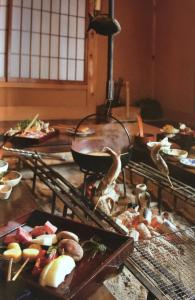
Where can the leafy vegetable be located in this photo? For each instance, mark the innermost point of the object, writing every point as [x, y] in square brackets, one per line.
[23, 124]
[93, 247]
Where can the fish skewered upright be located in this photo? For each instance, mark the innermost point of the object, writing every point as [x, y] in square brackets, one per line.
[160, 162]
[102, 195]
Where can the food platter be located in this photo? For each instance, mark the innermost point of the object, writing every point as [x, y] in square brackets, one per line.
[30, 139]
[80, 132]
[188, 162]
[29, 132]
[89, 271]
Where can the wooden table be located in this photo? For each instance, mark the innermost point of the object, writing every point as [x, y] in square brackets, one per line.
[63, 140]
[110, 131]
[20, 203]
[117, 136]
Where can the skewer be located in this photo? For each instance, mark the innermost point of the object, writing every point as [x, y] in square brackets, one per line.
[96, 205]
[10, 260]
[33, 153]
[31, 123]
[20, 269]
[9, 272]
[169, 180]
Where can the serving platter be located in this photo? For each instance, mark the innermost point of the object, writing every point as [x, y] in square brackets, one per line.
[30, 139]
[89, 272]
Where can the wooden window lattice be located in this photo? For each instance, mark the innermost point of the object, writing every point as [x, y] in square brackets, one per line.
[3, 39]
[47, 40]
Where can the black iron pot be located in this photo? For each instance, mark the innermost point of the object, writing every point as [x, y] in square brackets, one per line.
[86, 152]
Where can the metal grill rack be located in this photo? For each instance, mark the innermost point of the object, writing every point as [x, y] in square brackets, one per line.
[181, 190]
[70, 196]
[168, 262]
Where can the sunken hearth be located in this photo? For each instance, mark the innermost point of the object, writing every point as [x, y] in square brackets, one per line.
[162, 261]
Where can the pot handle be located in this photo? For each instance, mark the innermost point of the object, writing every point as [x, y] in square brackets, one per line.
[110, 116]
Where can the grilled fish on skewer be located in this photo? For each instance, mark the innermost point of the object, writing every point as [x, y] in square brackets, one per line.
[113, 173]
[106, 185]
[160, 162]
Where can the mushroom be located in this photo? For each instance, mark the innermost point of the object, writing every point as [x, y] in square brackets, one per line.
[67, 235]
[72, 248]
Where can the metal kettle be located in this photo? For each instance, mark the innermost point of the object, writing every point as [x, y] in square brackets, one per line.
[104, 24]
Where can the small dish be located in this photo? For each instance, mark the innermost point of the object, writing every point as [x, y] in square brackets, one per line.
[175, 154]
[12, 178]
[84, 131]
[188, 162]
[5, 191]
[3, 166]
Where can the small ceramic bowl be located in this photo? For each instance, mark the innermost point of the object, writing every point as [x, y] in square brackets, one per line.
[175, 154]
[3, 166]
[12, 178]
[143, 140]
[5, 191]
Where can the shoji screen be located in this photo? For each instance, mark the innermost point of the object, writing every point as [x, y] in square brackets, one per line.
[3, 33]
[48, 39]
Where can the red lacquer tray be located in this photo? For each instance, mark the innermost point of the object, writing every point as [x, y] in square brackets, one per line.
[88, 272]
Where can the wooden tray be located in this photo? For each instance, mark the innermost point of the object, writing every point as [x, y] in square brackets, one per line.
[20, 141]
[88, 272]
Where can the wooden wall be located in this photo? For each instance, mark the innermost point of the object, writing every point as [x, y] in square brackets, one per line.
[175, 59]
[132, 61]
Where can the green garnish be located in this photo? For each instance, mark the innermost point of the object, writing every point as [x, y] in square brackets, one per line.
[93, 247]
[23, 124]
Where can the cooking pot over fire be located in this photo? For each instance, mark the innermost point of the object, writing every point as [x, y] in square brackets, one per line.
[88, 154]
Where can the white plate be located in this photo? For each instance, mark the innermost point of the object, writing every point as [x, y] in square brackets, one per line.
[175, 154]
[80, 133]
[188, 162]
